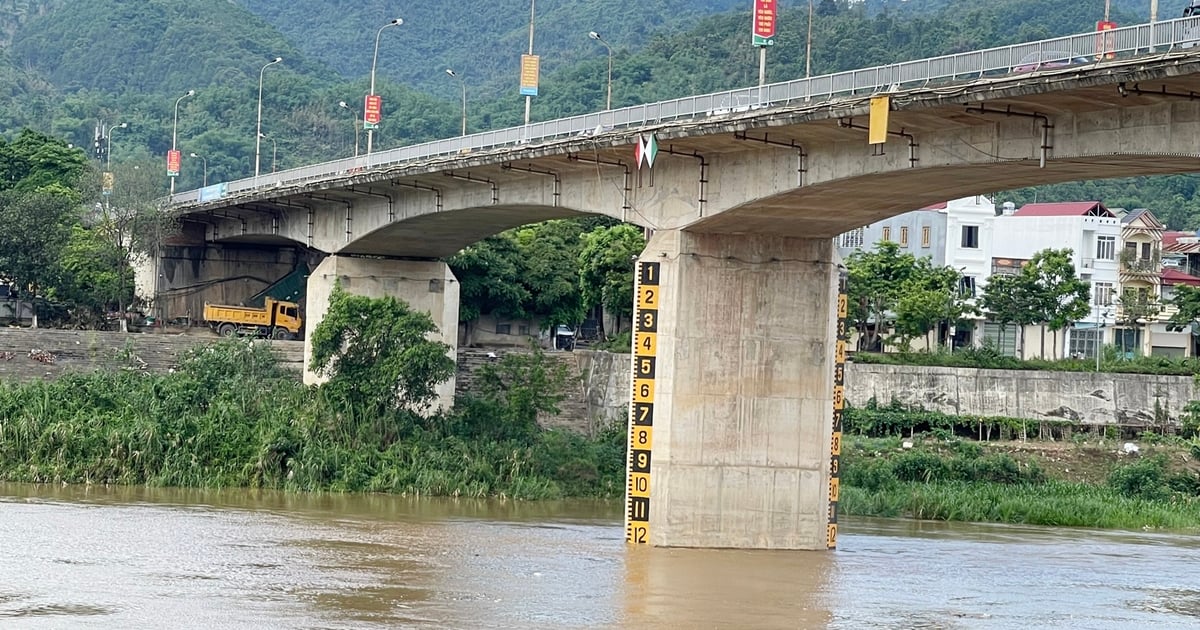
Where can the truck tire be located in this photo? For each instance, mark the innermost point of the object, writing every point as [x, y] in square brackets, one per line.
[280, 333]
[227, 330]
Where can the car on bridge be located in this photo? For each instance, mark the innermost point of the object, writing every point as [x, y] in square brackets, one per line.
[1046, 59]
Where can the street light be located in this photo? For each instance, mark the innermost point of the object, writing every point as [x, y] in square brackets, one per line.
[108, 150]
[374, 61]
[175, 129]
[205, 184]
[596, 36]
[1102, 313]
[464, 97]
[257, 145]
[274, 149]
[354, 112]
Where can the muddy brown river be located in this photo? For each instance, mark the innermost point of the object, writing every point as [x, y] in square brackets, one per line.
[137, 558]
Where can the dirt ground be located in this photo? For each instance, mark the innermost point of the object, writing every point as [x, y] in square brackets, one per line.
[1092, 461]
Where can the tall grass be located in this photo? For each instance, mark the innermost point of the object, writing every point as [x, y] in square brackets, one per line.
[230, 417]
[961, 482]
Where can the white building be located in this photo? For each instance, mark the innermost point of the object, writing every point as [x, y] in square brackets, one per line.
[1093, 233]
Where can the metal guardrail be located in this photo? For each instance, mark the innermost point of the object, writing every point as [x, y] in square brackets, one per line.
[1159, 37]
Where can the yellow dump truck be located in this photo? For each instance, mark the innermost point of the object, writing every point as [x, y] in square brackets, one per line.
[277, 320]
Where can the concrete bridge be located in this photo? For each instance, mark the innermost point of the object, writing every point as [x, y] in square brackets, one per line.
[735, 413]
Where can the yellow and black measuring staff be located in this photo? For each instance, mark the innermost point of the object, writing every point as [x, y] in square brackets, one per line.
[641, 408]
[839, 405]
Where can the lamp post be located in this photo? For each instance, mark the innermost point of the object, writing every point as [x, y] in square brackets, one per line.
[808, 45]
[175, 129]
[274, 149]
[205, 184]
[108, 149]
[462, 82]
[258, 130]
[354, 113]
[1101, 315]
[596, 36]
[374, 61]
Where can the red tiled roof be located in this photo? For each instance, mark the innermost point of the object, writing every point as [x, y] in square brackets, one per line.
[1067, 209]
[1173, 277]
[937, 206]
[1170, 238]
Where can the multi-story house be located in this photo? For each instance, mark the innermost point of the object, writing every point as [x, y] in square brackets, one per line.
[1093, 233]
[956, 233]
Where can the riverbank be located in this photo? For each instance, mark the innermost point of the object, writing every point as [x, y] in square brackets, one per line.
[1053, 483]
[231, 416]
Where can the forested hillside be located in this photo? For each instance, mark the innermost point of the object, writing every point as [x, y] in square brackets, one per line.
[67, 66]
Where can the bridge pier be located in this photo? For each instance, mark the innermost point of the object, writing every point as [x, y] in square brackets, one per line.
[427, 286]
[732, 413]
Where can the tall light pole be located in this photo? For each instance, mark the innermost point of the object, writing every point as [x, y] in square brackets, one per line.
[596, 36]
[274, 149]
[532, 15]
[462, 82]
[808, 47]
[175, 129]
[258, 136]
[374, 61]
[353, 112]
[108, 149]
[205, 184]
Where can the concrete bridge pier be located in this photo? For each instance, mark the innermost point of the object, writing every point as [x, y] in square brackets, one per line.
[427, 286]
[732, 408]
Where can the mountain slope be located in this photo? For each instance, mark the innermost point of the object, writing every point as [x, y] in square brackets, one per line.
[484, 39]
[149, 46]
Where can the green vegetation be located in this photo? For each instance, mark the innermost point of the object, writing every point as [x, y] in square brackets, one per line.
[966, 481]
[987, 357]
[229, 416]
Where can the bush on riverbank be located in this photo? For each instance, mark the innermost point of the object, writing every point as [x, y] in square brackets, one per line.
[963, 481]
[229, 416]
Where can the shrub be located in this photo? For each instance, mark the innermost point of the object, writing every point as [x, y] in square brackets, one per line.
[1145, 479]
[920, 466]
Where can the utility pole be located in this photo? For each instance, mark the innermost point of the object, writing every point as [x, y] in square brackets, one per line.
[532, 14]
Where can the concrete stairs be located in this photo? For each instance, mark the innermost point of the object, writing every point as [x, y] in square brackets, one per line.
[573, 408]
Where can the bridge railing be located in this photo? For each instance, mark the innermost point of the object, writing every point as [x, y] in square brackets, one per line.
[1160, 37]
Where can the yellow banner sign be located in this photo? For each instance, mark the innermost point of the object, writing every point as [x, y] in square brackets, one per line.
[881, 107]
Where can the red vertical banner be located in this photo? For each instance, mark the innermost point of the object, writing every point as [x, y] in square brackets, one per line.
[766, 14]
[1106, 42]
[174, 160]
[373, 111]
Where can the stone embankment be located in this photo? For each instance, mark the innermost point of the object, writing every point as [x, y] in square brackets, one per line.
[27, 354]
[598, 391]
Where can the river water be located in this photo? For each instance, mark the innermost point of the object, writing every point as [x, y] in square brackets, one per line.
[137, 558]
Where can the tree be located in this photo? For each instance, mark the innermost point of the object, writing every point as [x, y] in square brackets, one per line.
[1135, 308]
[36, 229]
[130, 221]
[1011, 299]
[490, 279]
[929, 297]
[94, 276]
[876, 279]
[606, 266]
[550, 251]
[1186, 302]
[1062, 297]
[376, 354]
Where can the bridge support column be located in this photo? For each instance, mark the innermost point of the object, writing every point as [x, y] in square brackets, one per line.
[427, 286]
[740, 392]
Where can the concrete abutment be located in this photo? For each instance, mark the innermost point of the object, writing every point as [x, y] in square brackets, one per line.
[427, 286]
[739, 391]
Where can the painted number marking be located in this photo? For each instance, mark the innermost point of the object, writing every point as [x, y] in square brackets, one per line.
[641, 407]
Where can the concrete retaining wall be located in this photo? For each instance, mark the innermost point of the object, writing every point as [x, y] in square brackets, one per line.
[1088, 398]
